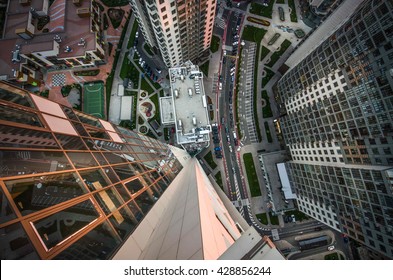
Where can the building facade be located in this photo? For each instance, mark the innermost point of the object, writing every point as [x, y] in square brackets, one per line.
[338, 126]
[39, 35]
[76, 187]
[180, 30]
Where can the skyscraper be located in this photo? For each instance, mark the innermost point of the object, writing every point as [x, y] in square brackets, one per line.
[76, 187]
[180, 30]
[338, 123]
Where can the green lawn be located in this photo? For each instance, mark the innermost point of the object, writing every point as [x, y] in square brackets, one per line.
[273, 219]
[260, 10]
[132, 35]
[128, 70]
[277, 54]
[332, 256]
[251, 175]
[268, 134]
[265, 52]
[148, 50]
[154, 99]
[215, 44]
[300, 216]
[262, 218]
[145, 86]
[280, 1]
[219, 180]
[209, 159]
[205, 68]
[267, 110]
[291, 4]
[266, 79]
[253, 34]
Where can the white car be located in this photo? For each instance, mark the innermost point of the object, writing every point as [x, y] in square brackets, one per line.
[331, 248]
[220, 86]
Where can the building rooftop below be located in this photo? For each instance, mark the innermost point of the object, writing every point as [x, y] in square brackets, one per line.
[190, 105]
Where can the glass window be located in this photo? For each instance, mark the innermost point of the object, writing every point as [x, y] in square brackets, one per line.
[88, 119]
[99, 243]
[124, 222]
[7, 213]
[123, 192]
[124, 171]
[100, 158]
[35, 193]
[26, 138]
[136, 211]
[108, 200]
[31, 162]
[69, 142]
[16, 96]
[81, 130]
[80, 160]
[8, 113]
[134, 186]
[94, 179]
[70, 114]
[59, 226]
[112, 175]
[145, 201]
[15, 244]
[114, 157]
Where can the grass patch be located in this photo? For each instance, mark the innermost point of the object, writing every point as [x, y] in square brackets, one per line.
[146, 86]
[260, 10]
[235, 101]
[251, 175]
[215, 44]
[280, 1]
[300, 216]
[128, 70]
[265, 52]
[94, 72]
[277, 54]
[253, 34]
[219, 180]
[210, 161]
[154, 99]
[166, 134]
[268, 134]
[205, 68]
[273, 219]
[115, 16]
[266, 79]
[267, 110]
[148, 50]
[262, 218]
[132, 35]
[291, 4]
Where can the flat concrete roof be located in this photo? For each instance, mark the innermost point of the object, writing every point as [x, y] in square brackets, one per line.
[126, 108]
[286, 186]
[188, 95]
[167, 110]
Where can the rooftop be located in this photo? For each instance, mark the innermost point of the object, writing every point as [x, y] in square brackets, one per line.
[189, 99]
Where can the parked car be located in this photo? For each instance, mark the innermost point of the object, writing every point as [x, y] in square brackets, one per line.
[331, 248]
[158, 70]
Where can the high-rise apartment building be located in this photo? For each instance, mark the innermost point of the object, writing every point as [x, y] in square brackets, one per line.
[180, 30]
[76, 187]
[338, 123]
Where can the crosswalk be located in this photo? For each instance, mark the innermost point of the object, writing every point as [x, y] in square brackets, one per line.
[220, 22]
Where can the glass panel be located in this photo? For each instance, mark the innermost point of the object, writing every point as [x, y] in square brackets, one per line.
[95, 133]
[36, 193]
[15, 244]
[114, 157]
[99, 243]
[123, 192]
[8, 113]
[123, 221]
[26, 138]
[100, 158]
[80, 160]
[88, 119]
[70, 142]
[30, 162]
[112, 176]
[7, 213]
[94, 179]
[135, 210]
[59, 226]
[16, 96]
[81, 130]
[124, 171]
[134, 186]
[108, 200]
[145, 201]
[70, 114]
[162, 184]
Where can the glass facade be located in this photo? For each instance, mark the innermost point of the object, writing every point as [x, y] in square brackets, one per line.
[338, 125]
[77, 194]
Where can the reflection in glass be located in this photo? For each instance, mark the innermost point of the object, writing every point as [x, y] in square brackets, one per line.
[99, 243]
[69, 142]
[70, 113]
[135, 210]
[20, 116]
[16, 96]
[15, 245]
[134, 186]
[57, 227]
[112, 176]
[31, 162]
[88, 119]
[145, 201]
[26, 138]
[80, 129]
[35, 193]
[80, 160]
[100, 158]
[96, 133]
[123, 192]
[124, 171]
[123, 221]
[94, 179]
[7, 213]
[114, 157]
[108, 200]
